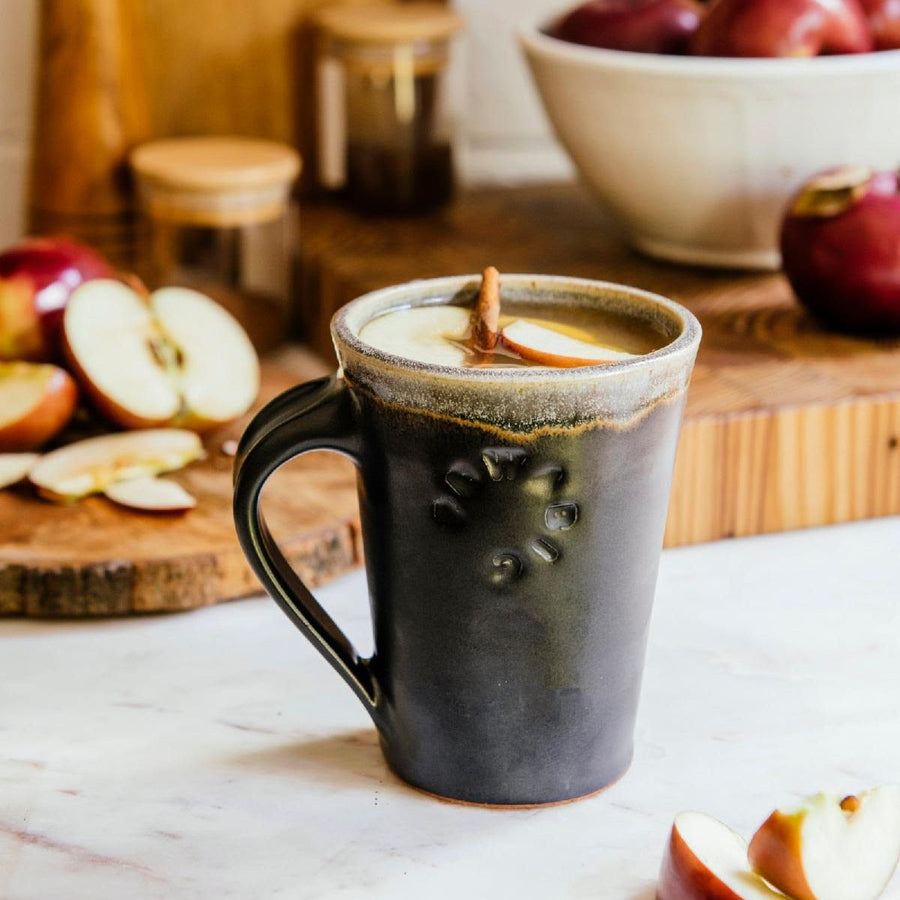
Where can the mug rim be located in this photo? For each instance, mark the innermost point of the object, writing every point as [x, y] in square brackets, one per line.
[343, 334]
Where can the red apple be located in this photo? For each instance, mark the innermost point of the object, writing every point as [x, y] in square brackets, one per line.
[643, 26]
[831, 848]
[840, 247]
[884, 20]
[37, 276]
[174, 357]
[36, 402]
[782, 28]
[706, 860]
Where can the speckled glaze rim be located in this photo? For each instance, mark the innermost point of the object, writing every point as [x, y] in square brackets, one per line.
[529, 398]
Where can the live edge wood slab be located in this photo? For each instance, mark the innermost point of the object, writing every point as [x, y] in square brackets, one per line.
[787, 426]
[95, 559]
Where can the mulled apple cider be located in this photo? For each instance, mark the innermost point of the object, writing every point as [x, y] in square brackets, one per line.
[515, 445]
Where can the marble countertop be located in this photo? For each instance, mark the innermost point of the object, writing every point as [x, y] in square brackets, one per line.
[214, 754]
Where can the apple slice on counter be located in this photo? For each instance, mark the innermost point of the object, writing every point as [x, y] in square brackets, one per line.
[92, 465]
[173, 358]
[553, 348]
[706, 860]
[149, 494]
[831, 849]
[36, 402]
[14, 467]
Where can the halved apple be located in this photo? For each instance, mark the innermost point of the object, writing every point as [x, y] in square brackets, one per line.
[553, 348]
[831, 848]
[14, 467]
[92, 465]
[706, 860]
[36, 402]
[150, 494]
[173, 358]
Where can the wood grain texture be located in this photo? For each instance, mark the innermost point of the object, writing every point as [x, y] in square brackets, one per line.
[90, 111]
[95, 559]
[787, 426]
[232, 67]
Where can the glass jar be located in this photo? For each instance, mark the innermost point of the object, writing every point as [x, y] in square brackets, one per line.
[219, 221]
[384, 119]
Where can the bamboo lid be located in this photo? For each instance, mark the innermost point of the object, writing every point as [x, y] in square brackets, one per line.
[388, 23]
[215, 180]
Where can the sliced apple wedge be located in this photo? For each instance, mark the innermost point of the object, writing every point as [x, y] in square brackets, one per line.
[831, 848]
[149, 494]
[36, 402]
[14, 467]
[92, 465]
[552, 348]
[173, 358]
[706, 860]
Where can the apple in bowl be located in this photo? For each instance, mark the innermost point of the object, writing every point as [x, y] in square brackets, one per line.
[641, 26]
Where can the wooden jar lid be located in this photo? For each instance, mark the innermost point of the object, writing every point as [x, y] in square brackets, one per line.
[389, 23]
[220, 181]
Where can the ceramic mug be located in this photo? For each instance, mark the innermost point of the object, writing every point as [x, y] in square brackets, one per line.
[512, 522]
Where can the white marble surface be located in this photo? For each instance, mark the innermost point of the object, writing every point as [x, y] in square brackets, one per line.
[213, 754]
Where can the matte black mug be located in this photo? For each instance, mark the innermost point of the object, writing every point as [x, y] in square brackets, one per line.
[512, 522]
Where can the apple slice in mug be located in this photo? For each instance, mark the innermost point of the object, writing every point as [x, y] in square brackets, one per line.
[831, 848]
[174, 358]
[14, 467]
[553, 348]
[36, 402]
[706, 860]
[92, 465]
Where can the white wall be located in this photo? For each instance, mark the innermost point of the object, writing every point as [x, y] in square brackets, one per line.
[505, 137]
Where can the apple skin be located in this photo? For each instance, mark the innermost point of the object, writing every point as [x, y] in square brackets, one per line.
[776, 848]
[773, 28]
[641, 26]
[684, 877]
[884, 20]
[36, 278]
[844, 266]
[48, 417]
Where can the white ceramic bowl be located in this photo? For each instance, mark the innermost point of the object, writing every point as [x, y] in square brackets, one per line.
[696, 157]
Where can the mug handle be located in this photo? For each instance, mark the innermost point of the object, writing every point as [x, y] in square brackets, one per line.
[317, 415]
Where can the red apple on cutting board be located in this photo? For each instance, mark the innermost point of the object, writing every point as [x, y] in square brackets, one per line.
[884, 20]
[706, 860]
[760, 28]
[37, 277]
[643, 26]
[36, 402]
[174, 357]
[840, 246]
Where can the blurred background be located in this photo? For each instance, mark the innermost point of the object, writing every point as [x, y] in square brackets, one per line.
[238, 67]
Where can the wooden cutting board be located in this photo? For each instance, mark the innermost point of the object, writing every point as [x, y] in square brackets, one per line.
[95, 559]
[787, 426]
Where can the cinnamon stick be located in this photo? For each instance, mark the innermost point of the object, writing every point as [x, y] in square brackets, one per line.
[486, 317]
